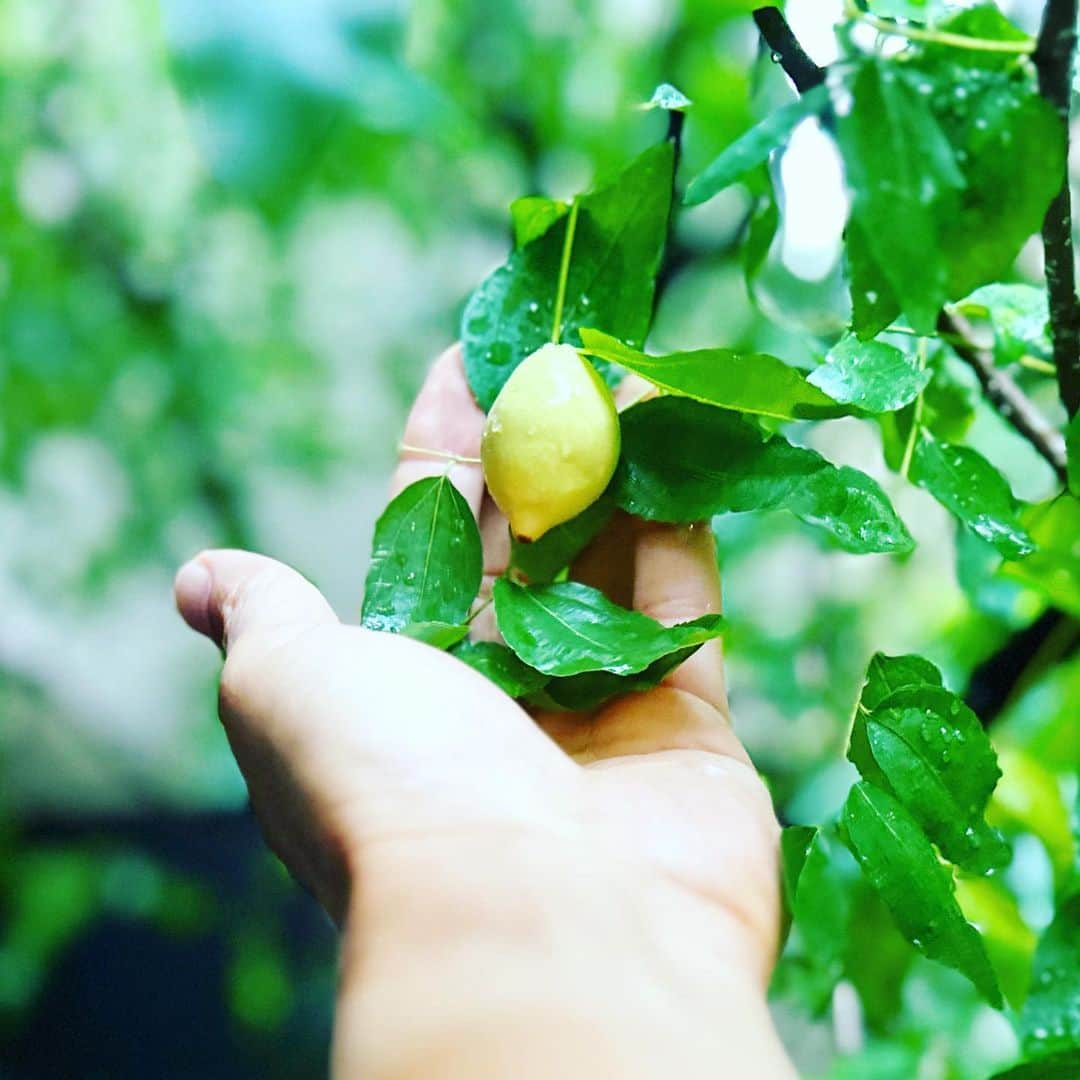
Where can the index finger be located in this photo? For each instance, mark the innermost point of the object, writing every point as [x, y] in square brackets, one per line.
[676, 579]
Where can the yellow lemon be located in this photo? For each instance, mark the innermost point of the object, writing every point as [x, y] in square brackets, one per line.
[551, 441]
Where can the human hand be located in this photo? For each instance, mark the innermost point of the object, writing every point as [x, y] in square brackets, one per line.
[551, 896]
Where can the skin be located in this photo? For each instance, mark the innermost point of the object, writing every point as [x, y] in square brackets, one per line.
[565, 895]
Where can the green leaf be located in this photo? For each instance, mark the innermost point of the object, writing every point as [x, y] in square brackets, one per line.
[970, 488]
[903, 868]
[887, 674]
[426, 559]
[613, 252]
[753, 146]
[937, 760]
[570, 628]
[747, 382]
[870, 375]
[591, 689]
[539, 561]
[1012, 141]
[1050, 1022]
[1064, 1066]
[822, 908]
[685, 461]
[760, 232]
[1072, 452]
[439, 635]
[873, 304]
[884, 676]
[795, 841]
[1054, 567]
[952, 397]
[497, 663]
[533, 215]
[905, 182]
[670, 98]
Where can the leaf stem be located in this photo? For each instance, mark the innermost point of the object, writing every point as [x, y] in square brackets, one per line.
[916, 417]
[443, 455]
[937, 37]
[564, 271]
[1053, 59]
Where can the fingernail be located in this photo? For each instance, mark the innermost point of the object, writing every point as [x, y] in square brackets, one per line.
[192, 589]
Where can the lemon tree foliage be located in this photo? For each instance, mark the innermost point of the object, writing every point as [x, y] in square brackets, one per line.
[921, 377]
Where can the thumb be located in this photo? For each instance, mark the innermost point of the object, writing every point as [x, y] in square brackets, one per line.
[225, 594]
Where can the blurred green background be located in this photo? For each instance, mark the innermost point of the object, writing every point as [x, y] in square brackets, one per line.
[232, 236]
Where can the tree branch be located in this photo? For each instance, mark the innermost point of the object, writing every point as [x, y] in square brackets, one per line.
[1011, 403]
[1053, 59]
[787, 51]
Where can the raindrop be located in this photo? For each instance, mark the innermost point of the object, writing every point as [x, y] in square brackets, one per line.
[1039, 1034]
[534, 306]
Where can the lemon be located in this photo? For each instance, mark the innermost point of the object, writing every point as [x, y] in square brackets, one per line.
[551, 441]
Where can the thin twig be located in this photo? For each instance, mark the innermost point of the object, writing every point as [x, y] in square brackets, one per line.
[1011, 403]
[937, 37]
[1053, 58]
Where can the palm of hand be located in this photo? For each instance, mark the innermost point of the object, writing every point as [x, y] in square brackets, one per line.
[361, 749]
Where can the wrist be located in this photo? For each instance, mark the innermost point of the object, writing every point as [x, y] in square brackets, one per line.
[488, 955]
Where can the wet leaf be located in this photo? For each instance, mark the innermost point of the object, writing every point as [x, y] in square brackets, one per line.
[930, 750]
[497, 663]
[870, 375]
[969, 487]
[747, 382]
[426, 560]
[570, 628]
[901, 865]
[684, 461]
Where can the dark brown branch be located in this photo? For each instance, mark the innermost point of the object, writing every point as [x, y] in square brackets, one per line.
[787, 51]
[1011, 403]
[1053, 61]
